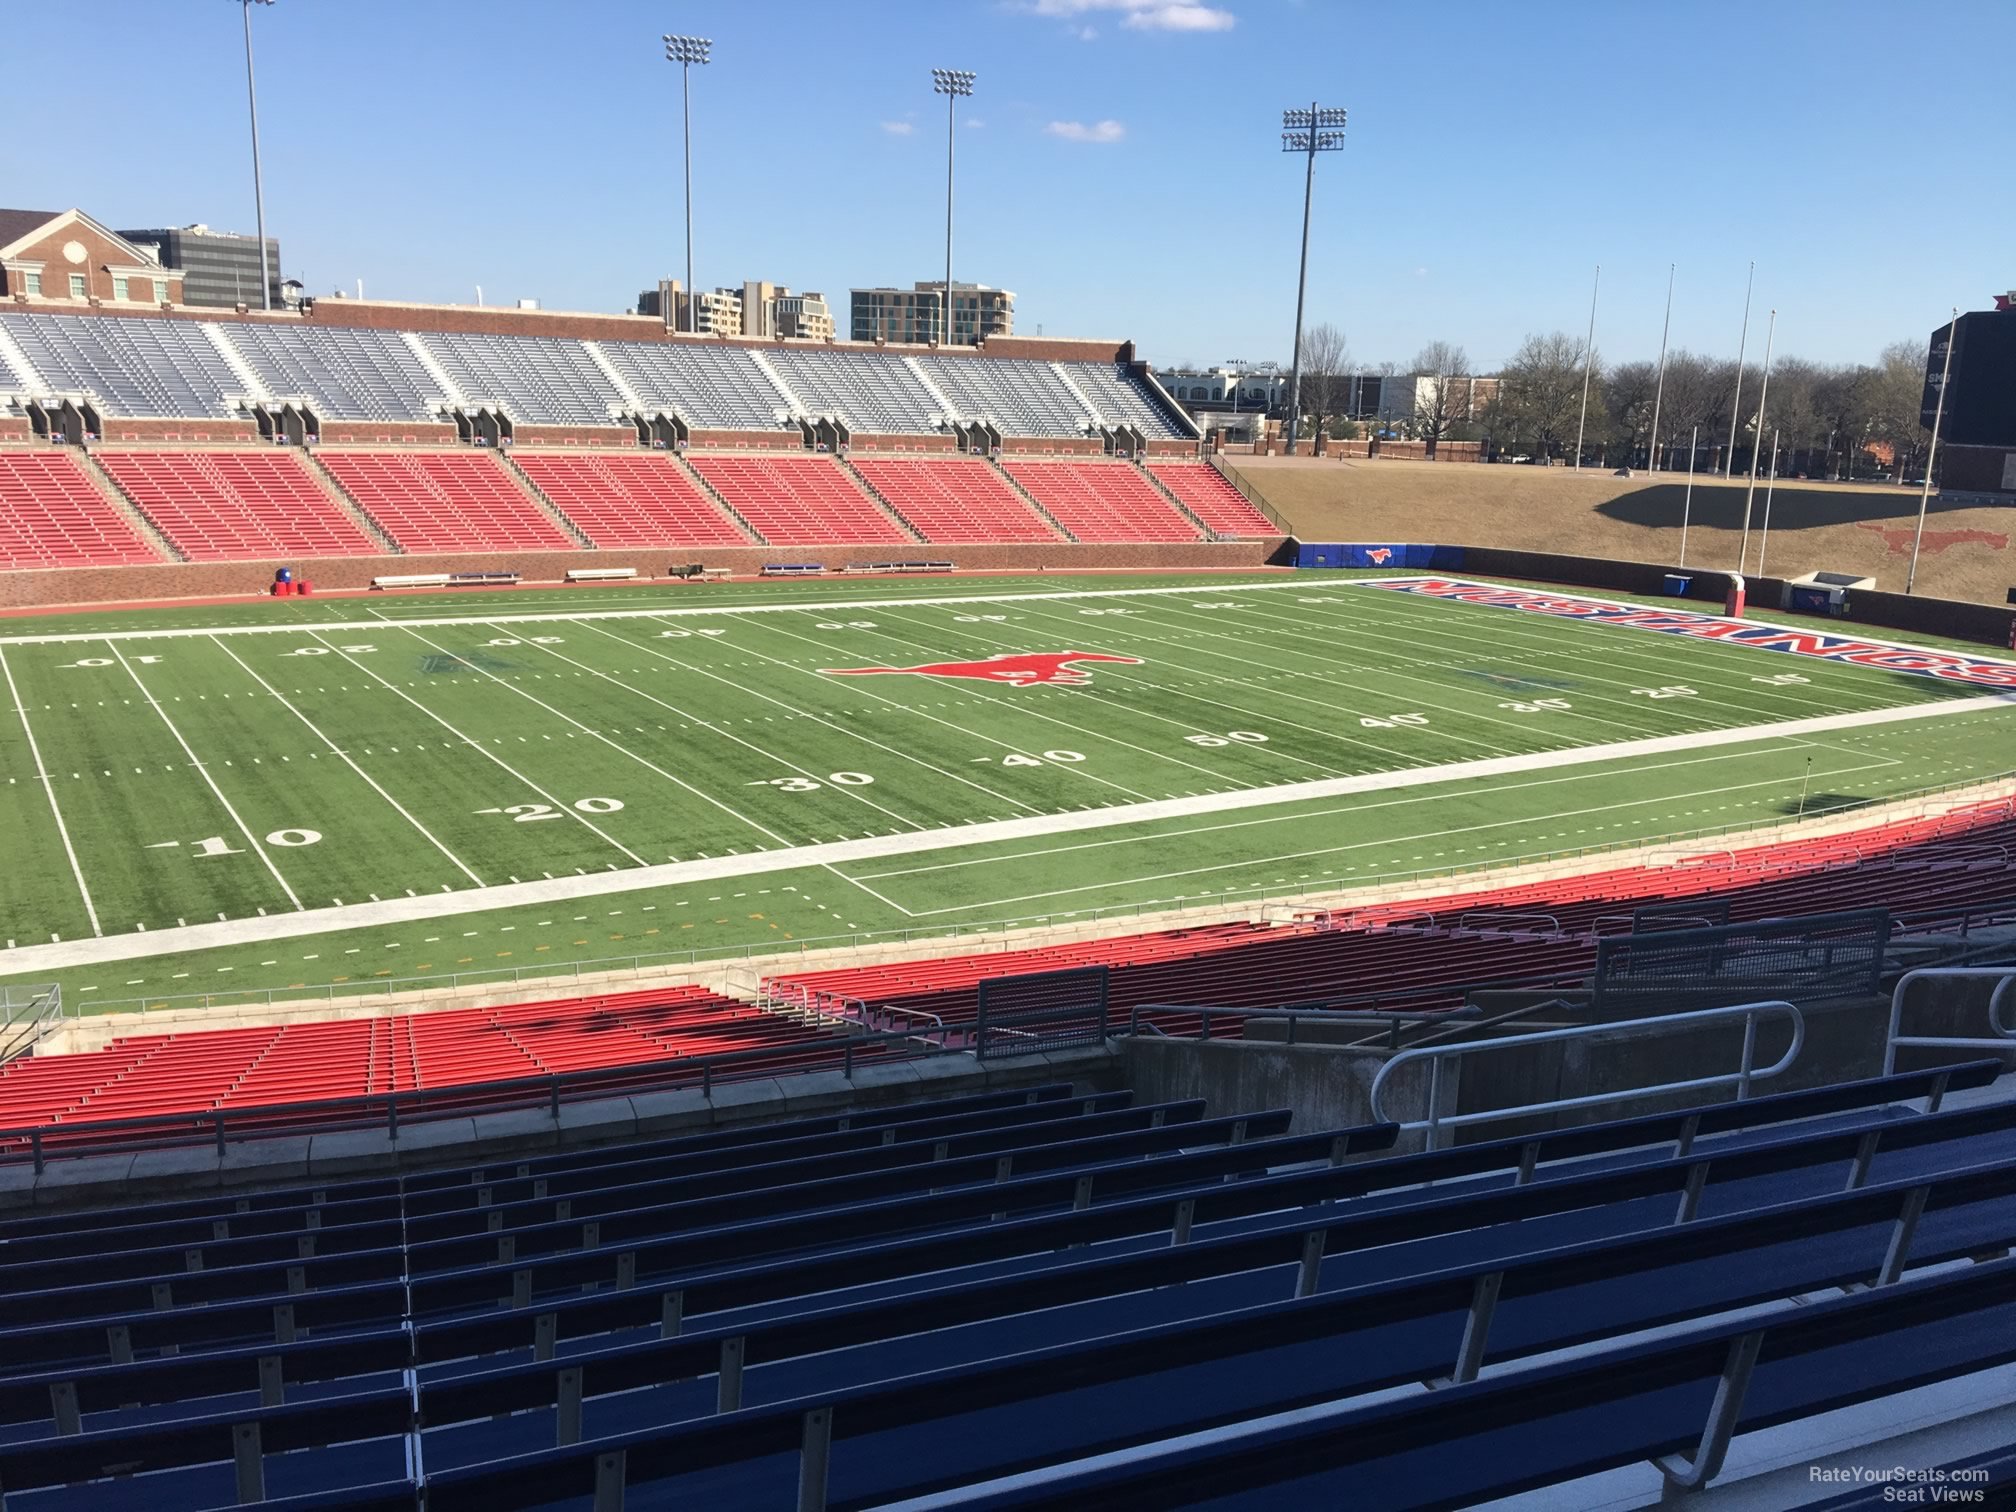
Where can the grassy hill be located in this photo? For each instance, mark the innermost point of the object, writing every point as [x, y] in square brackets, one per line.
[1862, 529]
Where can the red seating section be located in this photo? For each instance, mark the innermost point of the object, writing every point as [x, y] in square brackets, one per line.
[52, 515]
[800, 501]
[951, 501]
[445, 501]
[631, 499]
[327, 1063]
[237, 506]
[1425, 955]
[1213, 499]
[1103, 501]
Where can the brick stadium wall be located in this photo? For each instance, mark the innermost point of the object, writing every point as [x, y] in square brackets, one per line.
[16, 428]
[1065, 446]
[874, 444]
[725, 440]
[574, 435]
[103, 585]
[386, 432]
[119, 428]
[1405, 451]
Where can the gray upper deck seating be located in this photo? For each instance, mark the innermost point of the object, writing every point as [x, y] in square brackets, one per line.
[345, 374]
[1123, 397]
[872, 391]
[1023, 398]
[712, 386]
[539, 380]
[136, 366]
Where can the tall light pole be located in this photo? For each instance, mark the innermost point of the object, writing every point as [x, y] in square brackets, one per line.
[686, 51]
[1308, 132]
[1588, 365]
[955, 84]
[1756, 446]
[1932, 455]
[258, 189]
[1736, 403]
[1659, 394]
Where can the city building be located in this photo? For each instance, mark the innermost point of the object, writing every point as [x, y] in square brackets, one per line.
[65, 255]
[220, 269]
[915, 315]
[756, 309]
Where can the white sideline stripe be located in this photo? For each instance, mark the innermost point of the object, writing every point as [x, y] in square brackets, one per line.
[1293, 581]
[48, 787]
[671, 874]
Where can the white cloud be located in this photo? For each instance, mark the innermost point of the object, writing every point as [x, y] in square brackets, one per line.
[1088, 34]
[1140, 15]
[974, 123]
[898, 128]
[1077, 131]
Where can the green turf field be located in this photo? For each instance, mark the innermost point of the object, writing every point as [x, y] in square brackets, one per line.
[367, 790]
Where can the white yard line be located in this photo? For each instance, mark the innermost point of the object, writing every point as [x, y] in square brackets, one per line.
[344, 757]
[892, 702]
[203, 771]
[49, 788]
[800, 711]
[559, 805]
[400, 910]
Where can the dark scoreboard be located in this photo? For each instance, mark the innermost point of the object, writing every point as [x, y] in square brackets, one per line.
[1981, 391]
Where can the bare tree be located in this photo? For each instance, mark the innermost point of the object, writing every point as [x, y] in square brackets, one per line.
[1896, 386]
[1540, 392]
[1439, 401]
[1629, 391]
[1326, 363]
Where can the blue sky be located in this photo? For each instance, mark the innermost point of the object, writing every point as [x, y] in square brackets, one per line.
[1495, 154]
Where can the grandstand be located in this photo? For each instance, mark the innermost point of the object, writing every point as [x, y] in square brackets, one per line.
[219, 506]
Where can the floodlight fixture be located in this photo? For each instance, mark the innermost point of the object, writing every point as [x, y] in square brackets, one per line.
[258, 189]
[1320, 128]
[686, 51]
[955, 84]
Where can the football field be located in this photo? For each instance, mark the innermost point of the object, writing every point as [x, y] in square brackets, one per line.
[200, 800]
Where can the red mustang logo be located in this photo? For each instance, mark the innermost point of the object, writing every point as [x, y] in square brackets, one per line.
[1017, 669]
[1380, 555]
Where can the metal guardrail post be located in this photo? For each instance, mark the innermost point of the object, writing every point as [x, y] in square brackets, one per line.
[1437, 1123]
[2005, 1034]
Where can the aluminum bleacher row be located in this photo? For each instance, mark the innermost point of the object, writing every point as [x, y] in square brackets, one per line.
[1426, 955]
[228, 506]
[1022, 1298]
[51, 515]
[320, 1069]
[143, 366]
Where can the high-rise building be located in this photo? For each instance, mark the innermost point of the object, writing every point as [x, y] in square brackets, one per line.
[916, 315]
[756, 309]
[220, 269]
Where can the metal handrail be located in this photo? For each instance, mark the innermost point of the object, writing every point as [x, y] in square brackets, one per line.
[389, 1109]
[1367, 1018]
[1743, 1078]
[25, 1014]
[1485, 919]
[2005, 1034]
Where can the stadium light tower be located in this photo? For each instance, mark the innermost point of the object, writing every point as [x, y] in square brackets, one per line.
[686, 51]
[258, 190]
[955, 84]
[1308, 132]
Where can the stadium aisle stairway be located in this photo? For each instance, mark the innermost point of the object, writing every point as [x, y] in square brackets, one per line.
[51, 515]
[219, 506]
[1102, 501]
[954, 501]
[1209, 496]
[445, 501]
[800, 501]
[969, 1323]
[631, 499]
